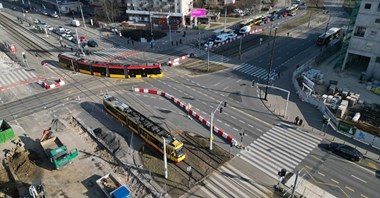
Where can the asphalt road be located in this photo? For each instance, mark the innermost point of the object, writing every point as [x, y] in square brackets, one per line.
[244, 110]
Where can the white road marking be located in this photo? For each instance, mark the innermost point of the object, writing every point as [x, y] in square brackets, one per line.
[233, 117]
[235, 129]
[250, 125]
[259, 130]
[241, 121]
[333, 180]
[359, 179]
[227, 124]
[350, 188]
[319, 173]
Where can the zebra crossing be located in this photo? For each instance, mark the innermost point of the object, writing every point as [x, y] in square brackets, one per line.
[114, 54]
[229, 181]
[16, 77]
[280, 147]
[257, 72]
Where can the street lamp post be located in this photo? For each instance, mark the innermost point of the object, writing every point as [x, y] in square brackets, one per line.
[59, 10]
[270, 63]
[81, 11]
[212, 120]
[165, 160]
[208, 58]
[170, 29]
[241, 40]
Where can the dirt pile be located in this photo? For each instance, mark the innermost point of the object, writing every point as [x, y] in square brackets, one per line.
[19, 171]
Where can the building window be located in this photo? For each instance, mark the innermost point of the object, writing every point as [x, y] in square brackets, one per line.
[369, 46]
[360, 31]
[377, 59]
[367, 6]
[378, 8]
[377, 20]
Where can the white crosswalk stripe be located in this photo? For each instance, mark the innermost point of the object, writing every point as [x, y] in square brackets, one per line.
[228, 181]
[252, 70]
[280, 147]
[16, 76]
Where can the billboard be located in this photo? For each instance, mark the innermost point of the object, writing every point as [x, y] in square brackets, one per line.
[198, 12]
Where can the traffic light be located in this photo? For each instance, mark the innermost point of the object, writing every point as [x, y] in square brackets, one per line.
[282, 173]
[225, 104]
[221, 109]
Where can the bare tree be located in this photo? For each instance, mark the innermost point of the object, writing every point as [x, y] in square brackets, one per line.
[111, 10]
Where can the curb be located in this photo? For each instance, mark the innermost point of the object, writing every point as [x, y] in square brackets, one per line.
[57, 84]
[185, 107]
[176, 61]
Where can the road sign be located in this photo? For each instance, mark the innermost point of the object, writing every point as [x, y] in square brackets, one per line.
[198, 12]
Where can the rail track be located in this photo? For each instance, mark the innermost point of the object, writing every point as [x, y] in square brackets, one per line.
[198, 156]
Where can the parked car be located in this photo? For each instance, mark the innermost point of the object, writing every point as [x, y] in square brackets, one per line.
[54, 15]
[221, 38]
[82, 39]
[49, 27]
[36, 21]
[68, 31]
[209, 44]
[92, 43]
[245, 30]
[346, 151]
[60, 29]
[231, 34]
[43, 12]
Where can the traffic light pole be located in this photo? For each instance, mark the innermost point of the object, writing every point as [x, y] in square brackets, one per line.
[212, 120]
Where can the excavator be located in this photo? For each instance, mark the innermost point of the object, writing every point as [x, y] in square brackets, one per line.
[56, 151]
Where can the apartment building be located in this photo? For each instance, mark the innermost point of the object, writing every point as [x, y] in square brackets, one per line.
[143, 10]
[363, 52]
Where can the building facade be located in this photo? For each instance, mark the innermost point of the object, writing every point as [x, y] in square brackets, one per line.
[363, 52]
[144, 10]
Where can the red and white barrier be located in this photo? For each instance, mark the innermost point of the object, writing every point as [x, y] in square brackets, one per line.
[238, 37]
[57, 83]
[190, 111]
[176, 61]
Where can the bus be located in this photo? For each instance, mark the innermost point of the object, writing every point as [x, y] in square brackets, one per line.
[109, 69]
[331, 34]
[148, 130]
[258, 20]
[247, 22]
[292, 9]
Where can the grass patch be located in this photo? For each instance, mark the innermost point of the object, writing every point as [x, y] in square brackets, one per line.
[198, 66]
[228, 20]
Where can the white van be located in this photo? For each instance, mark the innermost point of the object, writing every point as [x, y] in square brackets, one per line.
[75, 23]
[221, 38]
[245, 30]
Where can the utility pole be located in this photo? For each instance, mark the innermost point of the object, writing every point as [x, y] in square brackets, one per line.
[212, 120]
[270, 64]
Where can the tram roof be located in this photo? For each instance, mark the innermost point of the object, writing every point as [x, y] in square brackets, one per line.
[158, 131]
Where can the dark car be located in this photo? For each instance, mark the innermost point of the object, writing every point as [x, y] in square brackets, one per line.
[346, 151]
[92, 43]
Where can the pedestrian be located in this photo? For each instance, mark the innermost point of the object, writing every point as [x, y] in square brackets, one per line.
[172, 43]
[180, 41]
[64, 46]
[288, 34]
[128, 41]
[151, 45]
[278, 75]
[61, 45]
[176, 43]
[71, 48]
[133, 43]
[298, 66]
[186, 27]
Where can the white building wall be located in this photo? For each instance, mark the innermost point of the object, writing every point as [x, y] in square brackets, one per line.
[369, 44]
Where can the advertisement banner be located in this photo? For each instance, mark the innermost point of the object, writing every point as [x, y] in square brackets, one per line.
[364, 136]
[349, 130]
[198, 12]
